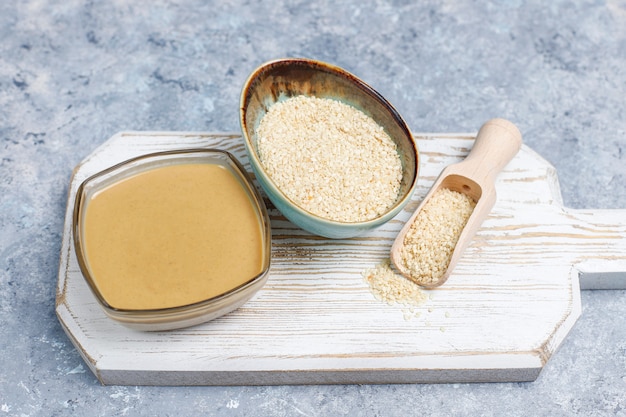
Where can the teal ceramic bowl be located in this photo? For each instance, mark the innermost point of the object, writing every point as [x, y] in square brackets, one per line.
[279, 80]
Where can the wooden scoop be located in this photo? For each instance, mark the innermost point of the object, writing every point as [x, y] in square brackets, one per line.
[497, 142]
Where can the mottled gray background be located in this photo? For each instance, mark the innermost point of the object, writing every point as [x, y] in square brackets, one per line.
[73, 73]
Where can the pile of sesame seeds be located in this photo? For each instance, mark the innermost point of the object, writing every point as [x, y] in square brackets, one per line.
[391, 288]
[329, 158]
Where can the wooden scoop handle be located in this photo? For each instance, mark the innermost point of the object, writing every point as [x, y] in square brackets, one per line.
[497, 142]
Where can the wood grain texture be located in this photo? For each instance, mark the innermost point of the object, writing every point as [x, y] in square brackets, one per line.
[510, 302]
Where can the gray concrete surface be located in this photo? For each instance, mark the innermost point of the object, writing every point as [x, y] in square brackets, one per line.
[73, 73]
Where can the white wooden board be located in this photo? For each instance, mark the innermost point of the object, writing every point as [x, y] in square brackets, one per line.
[506, 309]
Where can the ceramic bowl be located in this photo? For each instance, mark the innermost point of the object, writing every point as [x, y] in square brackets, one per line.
[279, 80]
[177, 313]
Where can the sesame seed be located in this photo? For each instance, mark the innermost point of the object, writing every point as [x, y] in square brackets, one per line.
[431, 239]
[329, 158]
[389, 287]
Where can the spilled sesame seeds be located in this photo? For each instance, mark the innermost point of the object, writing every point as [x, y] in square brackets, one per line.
[392, 288]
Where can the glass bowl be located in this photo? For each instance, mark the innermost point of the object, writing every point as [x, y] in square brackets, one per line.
[172, 239]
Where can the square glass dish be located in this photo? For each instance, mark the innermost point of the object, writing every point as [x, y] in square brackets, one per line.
[172, 239]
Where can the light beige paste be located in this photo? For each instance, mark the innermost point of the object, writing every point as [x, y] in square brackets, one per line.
[172, 236]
